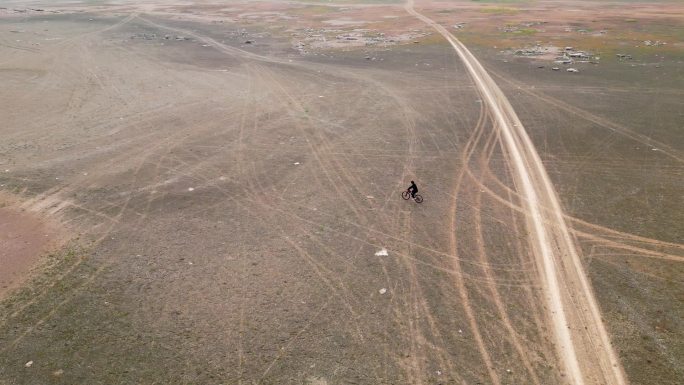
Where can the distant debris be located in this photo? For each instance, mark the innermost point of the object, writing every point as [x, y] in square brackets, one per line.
[249, 41]
[145, 36]
[536, 51]
[654, 43]
[555, 69]
[563, 60]
[459, 25]
[579, 54]
[623, 56]
[572, 70]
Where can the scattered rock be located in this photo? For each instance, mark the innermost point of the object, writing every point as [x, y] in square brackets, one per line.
[654, 43]
[572, 70]
[382, 253]
[383, 291]
[28, 364]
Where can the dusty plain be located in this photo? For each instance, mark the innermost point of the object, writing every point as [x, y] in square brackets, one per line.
[225, 177]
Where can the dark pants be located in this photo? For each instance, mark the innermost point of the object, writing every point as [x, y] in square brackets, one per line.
[413, 193]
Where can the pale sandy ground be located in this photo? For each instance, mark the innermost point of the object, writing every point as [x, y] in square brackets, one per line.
[227, 203]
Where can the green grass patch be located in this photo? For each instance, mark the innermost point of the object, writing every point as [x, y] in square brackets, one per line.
[526, 32]
[499, 10]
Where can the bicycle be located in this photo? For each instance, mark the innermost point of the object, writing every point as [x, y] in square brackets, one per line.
[407, 194]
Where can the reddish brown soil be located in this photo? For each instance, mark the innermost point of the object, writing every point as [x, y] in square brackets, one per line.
[23, 239]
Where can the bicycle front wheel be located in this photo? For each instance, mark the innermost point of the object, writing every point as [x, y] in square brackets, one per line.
[406, 195]
[418, 198]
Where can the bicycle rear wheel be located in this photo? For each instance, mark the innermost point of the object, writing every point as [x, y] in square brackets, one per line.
[406, 195]
[418, 198]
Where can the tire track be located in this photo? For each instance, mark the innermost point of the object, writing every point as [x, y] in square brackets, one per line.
[536, 187]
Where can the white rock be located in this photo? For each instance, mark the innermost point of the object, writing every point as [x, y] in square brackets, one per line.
[191, 189]
[382, 253]
[383, 291]
[28, 364]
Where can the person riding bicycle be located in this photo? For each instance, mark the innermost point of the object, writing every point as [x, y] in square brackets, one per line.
[413, 189]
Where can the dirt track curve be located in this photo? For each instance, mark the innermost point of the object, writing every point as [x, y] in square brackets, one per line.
[582, 342]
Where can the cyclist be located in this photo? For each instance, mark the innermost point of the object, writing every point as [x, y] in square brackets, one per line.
[413, 189]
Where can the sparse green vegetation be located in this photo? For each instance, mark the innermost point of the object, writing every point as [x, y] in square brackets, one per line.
[499, 10]
[526, 31]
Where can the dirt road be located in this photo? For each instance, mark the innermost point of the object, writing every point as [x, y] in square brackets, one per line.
[584, 348]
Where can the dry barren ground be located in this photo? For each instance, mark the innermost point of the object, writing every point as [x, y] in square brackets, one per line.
[229, 177]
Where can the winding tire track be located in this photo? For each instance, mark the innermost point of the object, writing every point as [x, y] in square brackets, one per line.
[584, 350]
